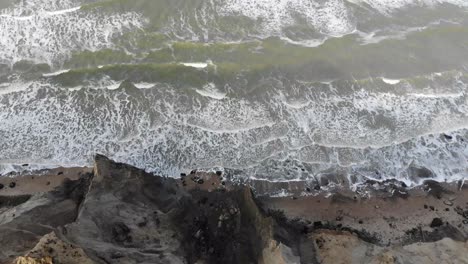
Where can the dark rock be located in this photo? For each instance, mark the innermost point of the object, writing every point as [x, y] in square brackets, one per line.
[12, 184]
[435, 189]
[121, 233]
[56, 210]
[448, 137]
[200, 181]
[317, 187]
[13, 200]
[117, 255]
[460, 211]
[425, 206]
[436, 222]
[1, 186]
[308, 189]
[25, 165]
[124, 213]
[183, 175]
[329, 178]
[60, 173]
[432, 208]
[371, 182]
[418, 173]
[143, 223]
[219, 173]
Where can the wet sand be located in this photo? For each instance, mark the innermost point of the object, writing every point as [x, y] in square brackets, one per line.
[39, 181]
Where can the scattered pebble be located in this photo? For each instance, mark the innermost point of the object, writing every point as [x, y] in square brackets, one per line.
[449, 203]
[436, 222]
[318, 224]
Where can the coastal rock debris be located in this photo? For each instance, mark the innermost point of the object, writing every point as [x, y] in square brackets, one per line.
[120, 214]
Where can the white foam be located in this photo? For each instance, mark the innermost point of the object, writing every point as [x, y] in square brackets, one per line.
[388, 6]
[330, 17]
[47, 31]
[144, 85]
[198, 65]
[310, 43]
[230, 130]
[20, 18]
[211, 91]
[282, 193]
[114, 86]
[297, 105]
[437, 96]
[15, 86]
[14, 166]
[63, 11]
[229, 133]
[52, 74]
[391, 81]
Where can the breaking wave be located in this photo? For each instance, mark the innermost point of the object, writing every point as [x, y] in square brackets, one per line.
[275, 90]
[49, 31]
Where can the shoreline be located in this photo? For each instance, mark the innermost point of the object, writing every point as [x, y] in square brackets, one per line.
[327, 184]
[317, 227]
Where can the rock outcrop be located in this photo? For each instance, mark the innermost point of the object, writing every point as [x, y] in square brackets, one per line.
[121, 214]
[352, 250]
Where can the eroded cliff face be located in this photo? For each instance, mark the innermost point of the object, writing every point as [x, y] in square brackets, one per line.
[343, 247]
[124, 215]
[120, 214]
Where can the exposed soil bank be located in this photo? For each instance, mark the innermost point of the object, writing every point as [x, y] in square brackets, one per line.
[120, 214]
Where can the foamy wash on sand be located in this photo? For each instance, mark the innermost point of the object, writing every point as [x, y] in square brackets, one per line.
[275, 90]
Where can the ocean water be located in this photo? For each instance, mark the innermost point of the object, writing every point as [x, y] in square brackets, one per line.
[280, 90]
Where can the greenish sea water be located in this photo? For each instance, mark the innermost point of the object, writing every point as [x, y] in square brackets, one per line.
[275, 90]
